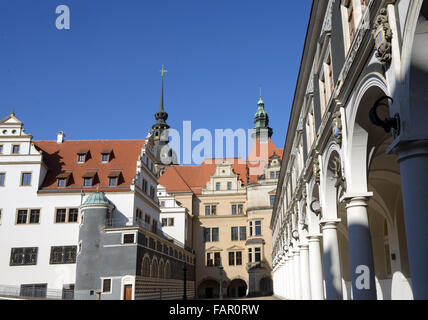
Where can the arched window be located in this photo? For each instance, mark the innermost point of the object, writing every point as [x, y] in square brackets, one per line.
[155, 269]
[145, 268]
[161, 272]
[167, 270]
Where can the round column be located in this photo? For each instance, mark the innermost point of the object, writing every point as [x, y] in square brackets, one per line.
[304, 272]
[332, 268]
[297, 277]
[315, 267]
[413, 160]
[291, 293]
[360, 250]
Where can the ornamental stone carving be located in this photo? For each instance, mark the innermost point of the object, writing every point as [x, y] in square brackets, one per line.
[382, 34]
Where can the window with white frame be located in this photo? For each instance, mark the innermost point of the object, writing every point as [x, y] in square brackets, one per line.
[326, 82]
[352, 14]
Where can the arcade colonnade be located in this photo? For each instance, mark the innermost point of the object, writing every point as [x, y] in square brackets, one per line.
[350, 216]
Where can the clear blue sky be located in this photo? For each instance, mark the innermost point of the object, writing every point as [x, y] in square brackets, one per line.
[101, 79]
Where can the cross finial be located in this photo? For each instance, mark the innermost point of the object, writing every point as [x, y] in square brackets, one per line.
[163, 71]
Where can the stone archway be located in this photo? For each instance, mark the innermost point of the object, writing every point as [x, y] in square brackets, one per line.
[208, 289]
[237, 288]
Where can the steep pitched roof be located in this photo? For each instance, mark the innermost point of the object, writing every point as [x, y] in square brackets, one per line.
[194, 178]
[61, 159]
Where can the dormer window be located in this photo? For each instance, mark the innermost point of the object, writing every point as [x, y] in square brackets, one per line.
[1, 149]
[229, 185]
[61, 182]
[88, 179]
[217, 186]
[113, 178]
[15, 149]
[62, 179]
[105, 155]
[81, 156]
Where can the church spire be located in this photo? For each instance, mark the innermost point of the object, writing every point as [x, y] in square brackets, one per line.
[161, 116]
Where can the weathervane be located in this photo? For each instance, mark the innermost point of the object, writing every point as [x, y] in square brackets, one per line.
[163, 71]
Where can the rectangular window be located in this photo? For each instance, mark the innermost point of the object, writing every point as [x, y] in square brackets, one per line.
[15, 149]
[170, 222]
[258, 228]
[23, 256]
[272, 200]
[1, 211]
[272, 175]
[129, 238]
[250, 255]
[207, 210]
[217, 259]
[213, 210]
[34, 215]
[242, 233]
[112, 181]
[73, 215]
[22, 217]
[251, 229]
[277, 174]
[257, 255]
[60, 215]
[87, 182]
[152, 192]
[215, 234]
[61, 183]
[207, 235]
[105, 158]
[217, 186]
[240, 209]
[164, 222]
[238, 258]
[26, 179]
[229, 185]
[81, 158]
[2, 179]
[234, 212]
[210, 261]
[235, 235]
[231, 258]
[106, 285]
[63, 255]
[1, 149]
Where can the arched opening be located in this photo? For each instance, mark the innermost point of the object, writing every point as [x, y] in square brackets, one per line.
[161, 271]
[209, 289]
[145, 267]
[155, 268]
[167, 270]
[237, 289]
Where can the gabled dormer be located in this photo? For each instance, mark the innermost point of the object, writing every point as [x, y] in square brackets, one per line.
[224, 180]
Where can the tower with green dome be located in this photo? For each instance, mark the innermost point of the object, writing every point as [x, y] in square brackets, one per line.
[261, 130]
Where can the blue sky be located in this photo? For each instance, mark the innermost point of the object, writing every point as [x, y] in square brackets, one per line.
[101, 79]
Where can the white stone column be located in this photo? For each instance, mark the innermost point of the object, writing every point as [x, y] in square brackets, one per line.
[297, 277]
[291, 293]
[413, 160]
[287, 276]
[360, 249]
[315, 267]
[332, 268]
[304, 272]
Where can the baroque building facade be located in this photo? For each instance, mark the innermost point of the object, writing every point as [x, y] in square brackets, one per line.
[349, 216]
[229, 205]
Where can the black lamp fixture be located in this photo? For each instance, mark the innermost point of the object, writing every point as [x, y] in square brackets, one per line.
[388, 123]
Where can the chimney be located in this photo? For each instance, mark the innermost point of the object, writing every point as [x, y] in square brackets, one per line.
[60, 137]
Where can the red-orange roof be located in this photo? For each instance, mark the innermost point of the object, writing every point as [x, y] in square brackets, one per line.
[61, 159]
[194, 178]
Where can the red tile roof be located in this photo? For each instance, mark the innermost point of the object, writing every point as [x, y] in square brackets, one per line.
[61, 159]
[194, 178]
